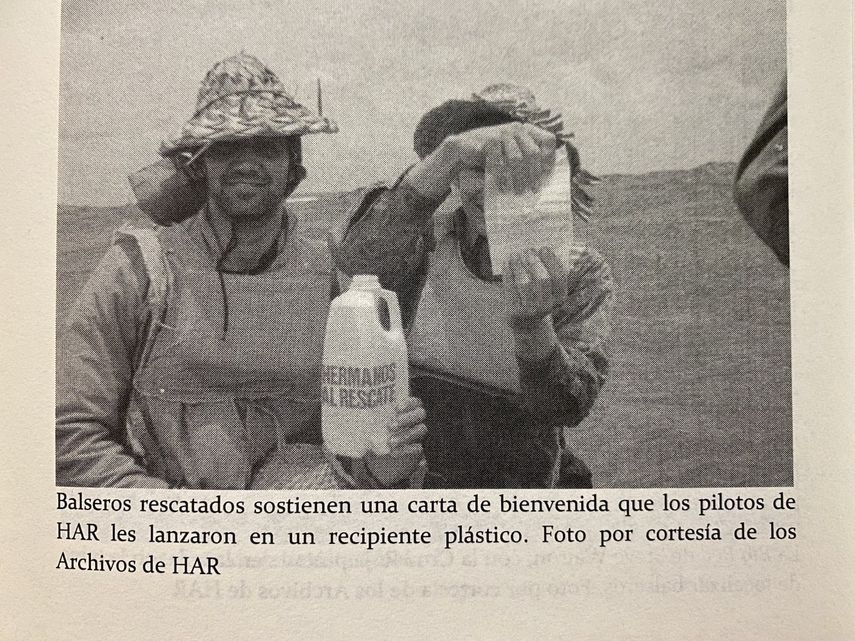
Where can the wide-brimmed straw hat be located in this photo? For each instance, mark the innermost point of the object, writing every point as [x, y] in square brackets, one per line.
[495, 105]
[241, 98]
[521, 103]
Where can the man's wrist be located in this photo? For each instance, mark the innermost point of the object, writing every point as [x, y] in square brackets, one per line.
[431, 178]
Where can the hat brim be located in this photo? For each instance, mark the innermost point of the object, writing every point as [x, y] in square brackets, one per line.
[247, 115]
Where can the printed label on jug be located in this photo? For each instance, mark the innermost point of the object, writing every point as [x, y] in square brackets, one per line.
[358, 387]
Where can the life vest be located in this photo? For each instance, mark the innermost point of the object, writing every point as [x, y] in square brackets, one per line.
[216, 398]
[460, 329]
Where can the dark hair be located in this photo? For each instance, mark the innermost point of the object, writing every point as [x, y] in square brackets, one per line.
[455, 117]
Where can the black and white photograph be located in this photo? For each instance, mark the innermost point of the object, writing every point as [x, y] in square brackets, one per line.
[324, 245]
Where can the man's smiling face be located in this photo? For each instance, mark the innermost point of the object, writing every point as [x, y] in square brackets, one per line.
[247, 178]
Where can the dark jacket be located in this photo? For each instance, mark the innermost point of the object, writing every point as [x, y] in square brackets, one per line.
[762, 189]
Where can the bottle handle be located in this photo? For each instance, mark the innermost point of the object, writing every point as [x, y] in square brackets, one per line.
[395, 335]
[394, 310]
[379, 439]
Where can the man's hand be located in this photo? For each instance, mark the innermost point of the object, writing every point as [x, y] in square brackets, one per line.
[535, 285]
[405, 445]
[522, 154]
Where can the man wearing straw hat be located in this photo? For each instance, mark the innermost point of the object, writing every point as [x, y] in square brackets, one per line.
[503, 365]
[212, 327]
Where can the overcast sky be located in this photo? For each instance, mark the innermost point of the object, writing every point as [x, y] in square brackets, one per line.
[644, 85]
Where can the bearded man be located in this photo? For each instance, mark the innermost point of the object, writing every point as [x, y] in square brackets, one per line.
[212, 327]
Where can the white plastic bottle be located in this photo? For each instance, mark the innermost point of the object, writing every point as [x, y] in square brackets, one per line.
[364, 371]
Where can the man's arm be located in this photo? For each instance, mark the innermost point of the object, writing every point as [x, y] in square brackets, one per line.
[560, 387]
[388, 234]
[94, 379]
[391, 230]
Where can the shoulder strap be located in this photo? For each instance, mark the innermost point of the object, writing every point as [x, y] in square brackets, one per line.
[153, 258]
[147, 241]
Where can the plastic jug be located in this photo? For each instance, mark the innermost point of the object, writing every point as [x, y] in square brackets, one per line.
[364, 371]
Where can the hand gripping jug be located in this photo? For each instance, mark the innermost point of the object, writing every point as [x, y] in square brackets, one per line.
[364, 369]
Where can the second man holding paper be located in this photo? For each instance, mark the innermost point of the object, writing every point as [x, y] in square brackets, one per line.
[504, 364]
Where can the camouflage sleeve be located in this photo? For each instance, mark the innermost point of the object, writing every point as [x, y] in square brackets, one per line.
[388, 233]
[562, 389]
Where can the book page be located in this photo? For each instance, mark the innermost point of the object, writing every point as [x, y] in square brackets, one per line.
[719, 443]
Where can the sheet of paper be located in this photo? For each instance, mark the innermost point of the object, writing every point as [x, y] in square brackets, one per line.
[516, 222]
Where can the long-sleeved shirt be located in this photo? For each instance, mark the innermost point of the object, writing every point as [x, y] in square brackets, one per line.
[99, 347]
[475, 438]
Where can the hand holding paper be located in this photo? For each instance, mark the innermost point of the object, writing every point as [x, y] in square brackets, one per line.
[535, 285]
[520, 153]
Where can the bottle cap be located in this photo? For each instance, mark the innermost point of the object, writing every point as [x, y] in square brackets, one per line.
[365, 281]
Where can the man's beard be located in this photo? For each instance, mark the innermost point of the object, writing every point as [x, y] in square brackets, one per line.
[246, 205]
